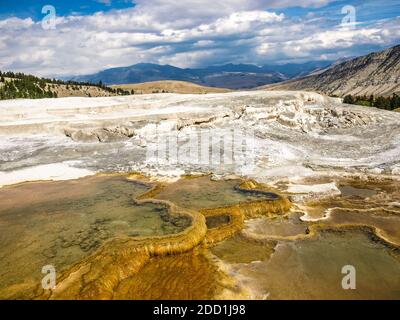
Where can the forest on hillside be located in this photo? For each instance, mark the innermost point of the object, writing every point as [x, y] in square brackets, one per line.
[19, 85]
[386, 103]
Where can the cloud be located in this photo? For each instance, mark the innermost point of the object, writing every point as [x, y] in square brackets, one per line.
[15, 24]
[189, 33]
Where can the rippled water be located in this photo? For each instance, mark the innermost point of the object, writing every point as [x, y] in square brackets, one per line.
[59, 223]
[312, 269]
[202, 192]
[359, 192]
[286, 226]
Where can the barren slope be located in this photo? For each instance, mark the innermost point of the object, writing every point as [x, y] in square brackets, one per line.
[376, 73]
[169, 86]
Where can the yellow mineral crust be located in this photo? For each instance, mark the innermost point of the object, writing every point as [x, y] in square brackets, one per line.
[190, 275]
[177, 266]
[97, 276]
[119, 260]
[238, 213]
[383, 232]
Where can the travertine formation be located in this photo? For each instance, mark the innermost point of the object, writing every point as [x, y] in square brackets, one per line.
[99, 275]
[286, 133]
[300, 143]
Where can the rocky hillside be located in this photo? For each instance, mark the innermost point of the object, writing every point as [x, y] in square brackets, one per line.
[376, 74]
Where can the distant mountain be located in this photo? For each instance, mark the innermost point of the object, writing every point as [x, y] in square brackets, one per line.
[231, 76]
[377, 73]
[333, 64]
[142, 72]
[292, 70]
[240, 80]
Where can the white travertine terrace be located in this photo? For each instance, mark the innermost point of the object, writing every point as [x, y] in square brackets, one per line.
[296, 134]
[54, 172]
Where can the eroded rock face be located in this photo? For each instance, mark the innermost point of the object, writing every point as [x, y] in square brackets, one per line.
[109, 134]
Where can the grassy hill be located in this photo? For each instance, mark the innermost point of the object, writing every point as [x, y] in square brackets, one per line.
[168, 86]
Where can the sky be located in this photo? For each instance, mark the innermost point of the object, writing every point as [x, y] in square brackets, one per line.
[57, 38]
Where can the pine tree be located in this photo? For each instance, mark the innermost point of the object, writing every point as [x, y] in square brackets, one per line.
[348, 99]
[394, 102]
[381, 103]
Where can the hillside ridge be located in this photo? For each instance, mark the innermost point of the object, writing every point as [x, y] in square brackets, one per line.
[377, 74]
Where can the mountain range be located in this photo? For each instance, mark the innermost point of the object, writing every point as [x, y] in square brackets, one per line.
[231, 76]
[377, 73]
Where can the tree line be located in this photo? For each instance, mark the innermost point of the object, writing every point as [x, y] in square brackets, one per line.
[20, 85]
[386, 103]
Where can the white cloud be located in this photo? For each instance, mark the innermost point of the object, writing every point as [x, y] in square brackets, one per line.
[187, 59]
[15, 23]
[342, 38]
[186, 33]
[244, 21]
[203, 43]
